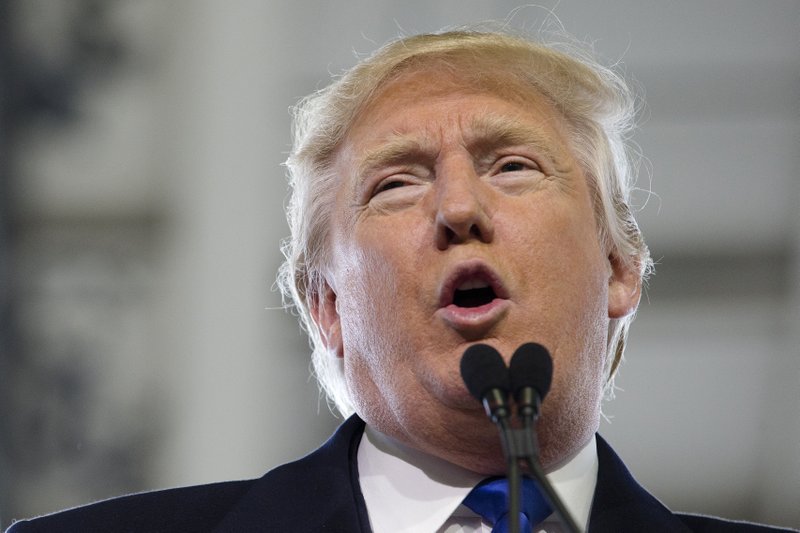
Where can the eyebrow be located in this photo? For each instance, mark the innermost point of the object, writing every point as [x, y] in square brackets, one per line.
[489, 132]
[485, 133]
[397, 149]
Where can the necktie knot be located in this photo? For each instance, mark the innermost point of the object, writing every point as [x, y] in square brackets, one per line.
[490, 500]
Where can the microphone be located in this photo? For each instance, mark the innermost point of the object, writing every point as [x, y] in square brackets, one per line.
[530, 374]
[529, 378]
[486, 377]
[485, 374]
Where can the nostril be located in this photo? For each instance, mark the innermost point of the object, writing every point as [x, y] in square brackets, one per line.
[449, 234]
[458, 235]
[475, 231]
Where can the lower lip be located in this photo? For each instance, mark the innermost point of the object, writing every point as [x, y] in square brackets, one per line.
[470, 319]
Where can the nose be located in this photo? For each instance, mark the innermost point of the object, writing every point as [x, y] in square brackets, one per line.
[462, 211]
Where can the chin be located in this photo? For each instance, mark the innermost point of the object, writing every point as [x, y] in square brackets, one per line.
[478, 451]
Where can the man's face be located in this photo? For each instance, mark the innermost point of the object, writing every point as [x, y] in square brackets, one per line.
[463, 217]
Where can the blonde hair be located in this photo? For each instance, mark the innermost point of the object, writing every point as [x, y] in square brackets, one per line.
[595, 101]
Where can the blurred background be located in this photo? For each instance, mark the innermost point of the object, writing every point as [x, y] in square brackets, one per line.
[141, 198]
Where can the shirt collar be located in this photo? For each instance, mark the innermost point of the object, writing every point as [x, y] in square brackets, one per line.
[407, 491]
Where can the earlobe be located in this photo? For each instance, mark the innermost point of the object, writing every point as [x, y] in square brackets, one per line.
[326, 317]
[624, 288]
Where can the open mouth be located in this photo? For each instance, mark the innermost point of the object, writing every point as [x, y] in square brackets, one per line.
[472, 285]
[473, 294]
[473, 299]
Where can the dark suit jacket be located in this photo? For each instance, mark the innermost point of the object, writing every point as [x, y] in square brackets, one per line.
[320, 493]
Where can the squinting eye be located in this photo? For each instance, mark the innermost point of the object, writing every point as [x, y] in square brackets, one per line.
[513, 166]
[389, 185]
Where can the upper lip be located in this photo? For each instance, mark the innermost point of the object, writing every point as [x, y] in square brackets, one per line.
[471, 271]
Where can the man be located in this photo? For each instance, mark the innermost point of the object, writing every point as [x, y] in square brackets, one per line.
[450, 190]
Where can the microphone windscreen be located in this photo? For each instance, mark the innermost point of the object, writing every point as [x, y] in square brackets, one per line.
[531, 366]
[483, 369]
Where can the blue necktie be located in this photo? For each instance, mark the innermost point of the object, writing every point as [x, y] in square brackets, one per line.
[490, 500]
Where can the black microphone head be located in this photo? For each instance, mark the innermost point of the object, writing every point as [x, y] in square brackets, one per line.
[531, 366]
[483, 369]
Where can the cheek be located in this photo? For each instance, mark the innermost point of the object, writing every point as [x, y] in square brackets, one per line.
[376, 265]
[372, 332]
[367, 285]
[363, 282]
[557, 248]
[568, 276]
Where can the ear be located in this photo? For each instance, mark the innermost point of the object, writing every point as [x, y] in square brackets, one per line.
[624, 288]
[326, 317]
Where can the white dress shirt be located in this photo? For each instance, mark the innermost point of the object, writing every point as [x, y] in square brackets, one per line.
[407, 491]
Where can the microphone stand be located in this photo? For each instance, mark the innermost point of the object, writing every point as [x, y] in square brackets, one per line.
[511, 449]
[495, 405]
[528, 450]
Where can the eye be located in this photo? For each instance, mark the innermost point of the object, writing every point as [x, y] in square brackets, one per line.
[517, 165]
[395, 184]
[389, 185]
[514, 166]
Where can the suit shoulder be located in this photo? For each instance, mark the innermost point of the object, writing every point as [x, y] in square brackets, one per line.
[709, 524]
[185, 509]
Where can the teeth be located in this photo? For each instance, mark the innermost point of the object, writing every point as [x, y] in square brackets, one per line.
[472, 284]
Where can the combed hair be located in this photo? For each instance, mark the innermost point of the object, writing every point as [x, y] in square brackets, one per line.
[596, 103]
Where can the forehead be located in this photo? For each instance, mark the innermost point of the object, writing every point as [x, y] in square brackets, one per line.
[441, 76]
[429, 101]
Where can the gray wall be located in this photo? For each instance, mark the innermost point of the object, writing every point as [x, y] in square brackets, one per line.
[153, 353]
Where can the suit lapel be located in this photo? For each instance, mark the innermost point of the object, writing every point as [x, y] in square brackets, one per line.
[621, 505]
[319, 492]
